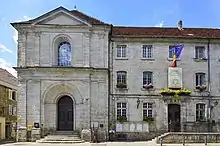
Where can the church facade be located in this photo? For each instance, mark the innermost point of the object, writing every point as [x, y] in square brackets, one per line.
[76, 72]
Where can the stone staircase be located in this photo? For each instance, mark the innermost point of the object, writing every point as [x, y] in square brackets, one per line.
[62, 137]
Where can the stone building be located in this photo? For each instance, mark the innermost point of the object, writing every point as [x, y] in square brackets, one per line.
[76, 72]
[8, 104]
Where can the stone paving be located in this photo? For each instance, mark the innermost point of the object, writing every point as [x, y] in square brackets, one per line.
[105, 144]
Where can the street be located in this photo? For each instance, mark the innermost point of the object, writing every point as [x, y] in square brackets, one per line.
[106, 144]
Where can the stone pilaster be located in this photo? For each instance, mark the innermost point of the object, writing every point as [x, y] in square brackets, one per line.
[21, 109]
[87, 48]
[33, 106]
[21, 103]
[22, 37]
[32, 56]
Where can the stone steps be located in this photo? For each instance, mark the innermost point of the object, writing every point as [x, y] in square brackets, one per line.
[62, 137]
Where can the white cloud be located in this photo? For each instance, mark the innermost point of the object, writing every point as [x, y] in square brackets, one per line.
[161, 24]
[3, 48]
[8, 67]
[15, 33]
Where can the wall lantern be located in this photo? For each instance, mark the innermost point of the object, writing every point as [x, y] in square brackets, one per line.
[138, 103]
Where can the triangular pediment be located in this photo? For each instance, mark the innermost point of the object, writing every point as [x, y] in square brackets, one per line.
[60, 16]
[62, 19]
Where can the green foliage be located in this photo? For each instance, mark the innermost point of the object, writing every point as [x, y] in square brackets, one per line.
[122, 119]
[121, 85]
[149, 120]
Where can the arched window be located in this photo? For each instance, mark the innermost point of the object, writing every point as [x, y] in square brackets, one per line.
[64, 54]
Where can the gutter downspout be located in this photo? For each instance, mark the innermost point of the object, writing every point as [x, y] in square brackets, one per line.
[26, 110]
[109, 79]
[209, 86]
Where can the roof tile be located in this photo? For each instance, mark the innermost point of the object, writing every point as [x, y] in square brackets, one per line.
[164, 32]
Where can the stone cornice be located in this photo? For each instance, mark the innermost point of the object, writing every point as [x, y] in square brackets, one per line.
[162, 40]
[55, 68]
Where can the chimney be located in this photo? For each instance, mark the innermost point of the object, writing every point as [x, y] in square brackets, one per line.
[180, 25]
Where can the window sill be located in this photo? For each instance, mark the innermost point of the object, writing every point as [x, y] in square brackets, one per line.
[152, 89]
[118, 58]
[121, 89]
[198, 91]
[200, 59]
[148, 59]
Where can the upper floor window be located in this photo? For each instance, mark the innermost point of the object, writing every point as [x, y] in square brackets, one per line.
[147, 109]
[147, 77]
[121, 110]
[13, 95]
[121, 51]
[10, 110]
[200, 79]
[147, 51]
[122, 77]
[200, 112]
[199, 52]
[171, 52]
[64, 54]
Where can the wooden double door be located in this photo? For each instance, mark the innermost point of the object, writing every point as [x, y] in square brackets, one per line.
[65, 114]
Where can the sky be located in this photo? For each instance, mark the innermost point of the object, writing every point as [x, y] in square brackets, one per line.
[158, 13]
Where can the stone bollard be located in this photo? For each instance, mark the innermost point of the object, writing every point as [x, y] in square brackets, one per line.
[161, 142]
[86, 135]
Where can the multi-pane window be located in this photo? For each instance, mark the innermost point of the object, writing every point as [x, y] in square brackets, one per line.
[200, 112]
[14, 110]
[147, 109]
[121, 109]
[13, 95]
[121, 51]
[171, 52]
[147, 51]
[64, 54]
[147, 77]
[199, 52]
[200, 79]
[10, 110]
[122, 77]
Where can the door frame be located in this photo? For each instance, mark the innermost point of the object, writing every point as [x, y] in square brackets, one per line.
[179, 110]
[74, 109]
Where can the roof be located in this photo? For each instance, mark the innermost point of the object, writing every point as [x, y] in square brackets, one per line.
[148, 32]
[6, 77]
[165, 32]
[76, 13]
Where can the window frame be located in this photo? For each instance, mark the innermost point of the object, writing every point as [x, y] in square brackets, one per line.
[146, 109]
[14, 95]
[121, 51]
[61, 58]
[121, 77]
[170, 47]
[200, 112]
[145, 52]
[198, 81]
[122, 109]
[145, 77]
[10, 110]
[197, 53]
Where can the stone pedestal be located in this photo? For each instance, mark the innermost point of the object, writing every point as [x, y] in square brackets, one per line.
[22, 134]
[86, 135]
[35, 134]
[101, 135]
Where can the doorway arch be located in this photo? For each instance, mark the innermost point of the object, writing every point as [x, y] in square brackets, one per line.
[65, 114]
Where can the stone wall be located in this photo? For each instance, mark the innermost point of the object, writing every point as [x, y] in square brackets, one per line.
[190, 138]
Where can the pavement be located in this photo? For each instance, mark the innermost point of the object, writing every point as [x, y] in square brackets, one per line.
[106, 144]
